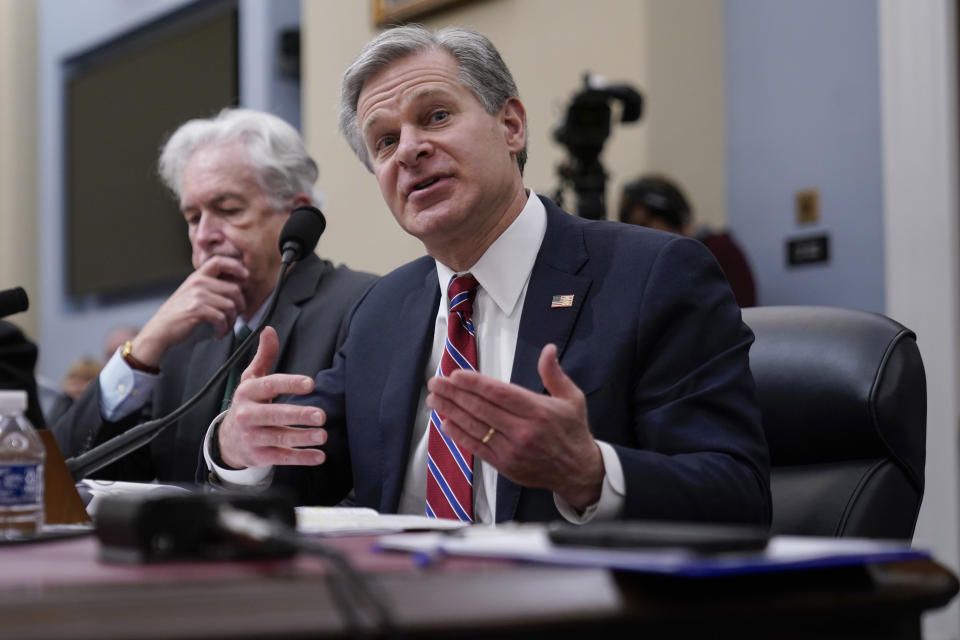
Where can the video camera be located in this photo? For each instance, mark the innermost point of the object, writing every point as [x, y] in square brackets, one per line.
[584, 131]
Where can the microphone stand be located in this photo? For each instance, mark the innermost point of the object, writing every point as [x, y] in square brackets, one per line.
[115, 448]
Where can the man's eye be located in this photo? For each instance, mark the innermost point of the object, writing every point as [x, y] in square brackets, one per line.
[385, 143]
[439, 116]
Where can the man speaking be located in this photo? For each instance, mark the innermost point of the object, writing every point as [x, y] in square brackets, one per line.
[237, 177]
[534, 365]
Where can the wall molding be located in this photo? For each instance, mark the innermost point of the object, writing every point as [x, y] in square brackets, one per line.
[918, 68]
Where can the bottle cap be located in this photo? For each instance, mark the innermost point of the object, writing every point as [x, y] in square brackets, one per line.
[13, 400]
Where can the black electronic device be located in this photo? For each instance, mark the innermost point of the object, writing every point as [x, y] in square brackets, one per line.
[301, 232]
[169, 524]
[641, 534]
[120, 99]
[585, 129]
[13, 301]
[163, 526]
[808, 250]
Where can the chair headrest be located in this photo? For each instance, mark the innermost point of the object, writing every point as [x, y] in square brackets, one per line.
[838, 384]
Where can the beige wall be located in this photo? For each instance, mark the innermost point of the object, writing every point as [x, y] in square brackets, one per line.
[547, 44]
[685, 118]
[18, 107]
[672, 50]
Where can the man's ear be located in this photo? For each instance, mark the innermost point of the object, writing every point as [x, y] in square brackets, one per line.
[300, 200]
[513, 116]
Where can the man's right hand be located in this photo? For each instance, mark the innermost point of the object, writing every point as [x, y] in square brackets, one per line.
[257, 433]
[211, 294]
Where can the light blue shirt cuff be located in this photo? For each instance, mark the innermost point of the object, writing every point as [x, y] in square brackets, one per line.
[123, 390]
[256, 478]
[612, 494]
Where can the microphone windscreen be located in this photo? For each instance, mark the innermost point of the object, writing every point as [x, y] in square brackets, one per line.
[302, 231]
[13, 301]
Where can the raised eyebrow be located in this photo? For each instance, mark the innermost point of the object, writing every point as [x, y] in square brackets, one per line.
[430, 93]
[416, 98]
[369, 124]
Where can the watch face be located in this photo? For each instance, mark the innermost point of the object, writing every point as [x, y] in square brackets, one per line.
[127, 356]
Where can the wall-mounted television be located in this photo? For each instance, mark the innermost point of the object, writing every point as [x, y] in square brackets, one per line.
[125, 236]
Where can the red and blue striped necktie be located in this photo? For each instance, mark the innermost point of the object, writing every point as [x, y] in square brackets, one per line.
[450, 469]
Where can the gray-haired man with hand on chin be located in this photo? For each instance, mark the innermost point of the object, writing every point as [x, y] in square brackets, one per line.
[237, 177]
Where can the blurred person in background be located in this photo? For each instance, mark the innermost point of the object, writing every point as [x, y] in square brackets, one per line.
[657, 202]
[115, 339]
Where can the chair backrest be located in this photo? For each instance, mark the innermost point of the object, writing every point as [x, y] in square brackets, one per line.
[843, 397]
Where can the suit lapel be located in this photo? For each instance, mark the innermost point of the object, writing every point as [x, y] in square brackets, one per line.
[556, 272]
[207, 356]
[300, 286]
[404, 382]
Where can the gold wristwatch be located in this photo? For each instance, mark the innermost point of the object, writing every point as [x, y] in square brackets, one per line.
[133, 362]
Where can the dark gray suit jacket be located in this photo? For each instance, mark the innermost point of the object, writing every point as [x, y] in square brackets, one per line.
[309, 320]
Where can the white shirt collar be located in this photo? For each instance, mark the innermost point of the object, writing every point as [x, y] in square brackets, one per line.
[505, 267]
[254, 319]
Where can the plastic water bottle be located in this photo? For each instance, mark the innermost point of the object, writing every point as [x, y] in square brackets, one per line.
[21, 469]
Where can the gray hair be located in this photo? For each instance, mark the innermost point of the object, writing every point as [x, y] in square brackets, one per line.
[279, 158]
[482, 71]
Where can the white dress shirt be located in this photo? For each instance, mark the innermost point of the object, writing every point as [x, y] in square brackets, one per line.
[503, 273]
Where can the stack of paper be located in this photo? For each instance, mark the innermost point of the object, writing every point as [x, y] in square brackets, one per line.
[531, 543]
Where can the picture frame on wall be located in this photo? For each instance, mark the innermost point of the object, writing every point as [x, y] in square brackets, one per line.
[391, 12]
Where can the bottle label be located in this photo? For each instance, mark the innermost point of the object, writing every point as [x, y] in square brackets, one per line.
[20, 484]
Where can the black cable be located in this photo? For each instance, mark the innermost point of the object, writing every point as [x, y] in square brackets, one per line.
[353, 593]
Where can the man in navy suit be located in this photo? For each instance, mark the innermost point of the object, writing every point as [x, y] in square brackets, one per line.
[613, 377]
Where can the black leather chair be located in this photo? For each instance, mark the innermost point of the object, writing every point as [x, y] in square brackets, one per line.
[843, 396]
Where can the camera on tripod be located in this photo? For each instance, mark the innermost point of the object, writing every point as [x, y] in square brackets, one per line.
[584, 131]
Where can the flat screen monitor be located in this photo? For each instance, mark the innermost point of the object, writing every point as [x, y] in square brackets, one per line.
[125, 236]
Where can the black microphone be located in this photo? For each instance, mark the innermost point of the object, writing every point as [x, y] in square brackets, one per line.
[300, 234]
[298, 238]
[15, 300]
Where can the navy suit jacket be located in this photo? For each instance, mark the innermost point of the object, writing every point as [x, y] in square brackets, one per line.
[654, 339]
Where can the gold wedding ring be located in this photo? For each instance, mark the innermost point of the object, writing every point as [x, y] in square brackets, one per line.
[489, 435]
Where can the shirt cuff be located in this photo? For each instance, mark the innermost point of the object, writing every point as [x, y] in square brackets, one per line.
[123, 390]
[612, 494]
[258, 478]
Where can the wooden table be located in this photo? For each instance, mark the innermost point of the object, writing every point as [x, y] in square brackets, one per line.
[61, 590]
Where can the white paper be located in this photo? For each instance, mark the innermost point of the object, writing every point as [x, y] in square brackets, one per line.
[100, 488]
[531, 543]
[360, 520]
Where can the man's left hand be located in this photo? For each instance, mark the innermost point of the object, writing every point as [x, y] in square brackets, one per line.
[536, 440]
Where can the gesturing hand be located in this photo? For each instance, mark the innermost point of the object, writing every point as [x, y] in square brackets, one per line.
[257, 433]
[535, 440]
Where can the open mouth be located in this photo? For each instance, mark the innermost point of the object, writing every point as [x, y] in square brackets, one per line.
[423, 185]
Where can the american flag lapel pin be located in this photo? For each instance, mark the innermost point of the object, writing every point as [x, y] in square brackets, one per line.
[562, 301]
